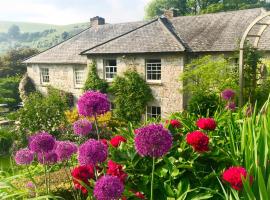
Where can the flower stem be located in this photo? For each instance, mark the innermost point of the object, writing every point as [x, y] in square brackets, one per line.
[152, 179]
[96, 124]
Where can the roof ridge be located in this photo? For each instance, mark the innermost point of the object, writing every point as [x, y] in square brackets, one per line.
[121, 35]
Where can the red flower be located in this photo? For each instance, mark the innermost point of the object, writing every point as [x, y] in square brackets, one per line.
[116, 141]
[198, 140]
[123, 198]
[82, 173]
[206, 124]
[104, 141]
[233, 176]
[139, 195]
[115, 169]
[175, 123]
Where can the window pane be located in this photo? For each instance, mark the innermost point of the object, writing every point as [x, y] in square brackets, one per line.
[153, 69]
[110, 68]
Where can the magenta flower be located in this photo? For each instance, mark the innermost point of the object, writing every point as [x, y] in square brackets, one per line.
[41, 142]
[24, 157]
[92, 152]
[93, 103]
[228, 94]
[65, 149]
[153, 140]
[108, 188]
[231, 106]
[48, 158]
[82, 127]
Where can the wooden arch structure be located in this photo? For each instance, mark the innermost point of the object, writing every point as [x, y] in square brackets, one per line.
[263, 24]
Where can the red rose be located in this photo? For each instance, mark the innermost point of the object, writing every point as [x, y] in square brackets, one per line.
[198, 140]
[116, 169]
[233, 176]
[82, 173]
[175, 123]
[116, 141]
[206, 124]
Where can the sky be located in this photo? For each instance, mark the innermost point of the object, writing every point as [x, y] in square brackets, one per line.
[71, 11]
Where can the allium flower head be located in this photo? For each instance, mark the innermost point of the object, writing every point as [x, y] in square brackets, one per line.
[82, 127]
[153, 140]
[84, 174]
[198, 140]
[231, 106]
[24, 157]
[65, 149]
[116, 140]
[116, 169]
[228, 94]
[108, 188]
[49, 158]
[206, 124]
[233, 176]
[41, 142]
[92, 152]
[93, 103]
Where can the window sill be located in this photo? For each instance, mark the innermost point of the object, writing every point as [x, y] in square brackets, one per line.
[152, 82]
[44, 84]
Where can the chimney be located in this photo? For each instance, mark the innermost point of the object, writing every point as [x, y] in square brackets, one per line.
[96, 21]
[170, 13]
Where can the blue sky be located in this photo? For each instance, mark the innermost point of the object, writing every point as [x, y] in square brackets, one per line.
[71, 11]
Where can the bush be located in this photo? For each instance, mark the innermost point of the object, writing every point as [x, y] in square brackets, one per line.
[131, 95]
[7, 137]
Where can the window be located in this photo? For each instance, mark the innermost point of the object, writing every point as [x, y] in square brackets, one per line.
[79, 75]
[44, 75]
[153, 69]
[153, 112]
[110, 69]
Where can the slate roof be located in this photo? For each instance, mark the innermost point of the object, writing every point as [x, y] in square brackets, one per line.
[202, 33]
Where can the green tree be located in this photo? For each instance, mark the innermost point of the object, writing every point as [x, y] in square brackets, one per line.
[14, 32]
[131, 95]
[93, 81]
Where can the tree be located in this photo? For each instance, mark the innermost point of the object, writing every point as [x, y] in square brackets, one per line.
[14, 32]
[131, 95]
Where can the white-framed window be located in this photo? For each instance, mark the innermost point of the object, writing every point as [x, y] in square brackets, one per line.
[110, 67]
[79, 76]
[44, 75]
[153, 112]
[153, 69]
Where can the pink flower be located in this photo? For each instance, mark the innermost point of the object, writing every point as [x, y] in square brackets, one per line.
[175, 123]
[116, 141]
[231, 106]
[116, 169]
[198, 140]
[206, 124]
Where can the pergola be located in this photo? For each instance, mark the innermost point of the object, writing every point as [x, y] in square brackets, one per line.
[263, 23]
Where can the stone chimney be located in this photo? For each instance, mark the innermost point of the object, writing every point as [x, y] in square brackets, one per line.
[170, 13]
[96, 21]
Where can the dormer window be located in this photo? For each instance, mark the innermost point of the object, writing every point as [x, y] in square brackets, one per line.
[110, 67]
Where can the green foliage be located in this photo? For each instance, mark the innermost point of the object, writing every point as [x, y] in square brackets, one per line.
[7, 138]
[93, 81]
[9, 92]
[203, 103]
[131, 95]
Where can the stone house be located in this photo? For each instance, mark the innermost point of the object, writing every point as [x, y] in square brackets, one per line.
[158, 49]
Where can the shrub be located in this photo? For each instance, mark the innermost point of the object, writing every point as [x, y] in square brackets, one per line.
[93, 81]
[6, 140]
[131, 95]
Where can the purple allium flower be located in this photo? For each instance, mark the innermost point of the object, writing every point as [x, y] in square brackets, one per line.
[231, 106]
[82, 127]
[93, 103]
[24, 157]
[65, 149]
[41, 142]
[48, 158]
[92, 152]
[153, 140]
[228, 94]
[108, 188]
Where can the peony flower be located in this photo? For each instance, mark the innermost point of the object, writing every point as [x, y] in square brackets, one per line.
[24, 157]
[206, 124]
[93, 103]
[82, 127]
[231, 106]
[116, 169]
[49, 158]
[233, 176]
[92, 152]
[105, 142]
[65, 149]
[116, 140]
[108, 188]
[198, 140]
[84, 174]
[153, 140]
[139, 195]
[227, 94]
[175, 123]
[41, 142]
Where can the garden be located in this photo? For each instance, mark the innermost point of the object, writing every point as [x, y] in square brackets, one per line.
[212, 150]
